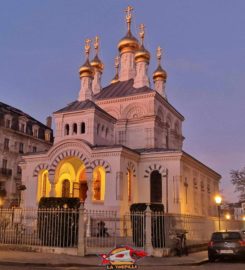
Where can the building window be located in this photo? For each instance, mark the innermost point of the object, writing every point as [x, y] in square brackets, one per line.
[74, 131]
[99, 184]
[6, 144]
[5, 163]
[34, 149]
[18, 170]
[47, 135]
[67, 129]
[156, 187]
[106, 132]
[82, 128]
[8, 123]
[98, 128]
[129, 175]
[35, 130]
[22, 127]
[186, 190]
[21, 148]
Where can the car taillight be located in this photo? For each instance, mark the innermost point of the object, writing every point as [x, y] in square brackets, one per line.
[242, 243]
[210, 244]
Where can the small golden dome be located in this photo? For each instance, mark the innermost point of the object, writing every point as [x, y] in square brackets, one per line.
[86, 70]
[159, 74]
[97, 64]
[142, 55]
[128, 44]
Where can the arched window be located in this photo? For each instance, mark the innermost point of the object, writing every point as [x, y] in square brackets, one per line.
[129, 185]
[156, 187]
[44, 186]
[82, 128]
[106, 132]
[99, 184]
[66, 189]
[67, 129]
[176, 128]
[74, 128]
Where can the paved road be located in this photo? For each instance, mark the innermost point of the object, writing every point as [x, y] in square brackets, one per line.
[214, 266]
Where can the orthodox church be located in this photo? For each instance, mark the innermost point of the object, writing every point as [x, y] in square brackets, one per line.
[121, 144]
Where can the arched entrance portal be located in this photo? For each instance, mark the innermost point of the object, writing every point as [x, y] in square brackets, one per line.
[70, 178]
[156, 187]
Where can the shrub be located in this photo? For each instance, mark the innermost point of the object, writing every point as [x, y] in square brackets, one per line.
[58, 221]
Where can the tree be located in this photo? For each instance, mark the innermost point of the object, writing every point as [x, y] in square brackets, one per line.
[238, 180]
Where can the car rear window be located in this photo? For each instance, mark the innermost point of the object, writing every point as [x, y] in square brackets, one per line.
[219, 236]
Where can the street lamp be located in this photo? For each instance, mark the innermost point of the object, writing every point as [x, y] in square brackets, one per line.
[228, 216]
[218, 201]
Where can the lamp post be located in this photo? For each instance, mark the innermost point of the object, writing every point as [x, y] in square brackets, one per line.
[218, 201]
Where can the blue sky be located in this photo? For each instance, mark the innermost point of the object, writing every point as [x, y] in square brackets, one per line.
[41, 49]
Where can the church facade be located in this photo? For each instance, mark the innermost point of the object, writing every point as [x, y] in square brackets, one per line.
[121, 144]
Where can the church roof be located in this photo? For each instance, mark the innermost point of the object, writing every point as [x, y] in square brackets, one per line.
[121, 89]
[81, 105]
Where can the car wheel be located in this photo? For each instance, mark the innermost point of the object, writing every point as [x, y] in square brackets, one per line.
[211, 258]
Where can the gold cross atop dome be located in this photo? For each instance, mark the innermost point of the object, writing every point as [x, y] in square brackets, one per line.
[96, 44]
[117, 62]
[128, 16]
[142, 32]
[87, 47]
[159, 54]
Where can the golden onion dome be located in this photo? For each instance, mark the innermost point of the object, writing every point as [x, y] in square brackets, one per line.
[159, 74]
[97, 64]
[142, 55]
[128, 44]
[86, 70]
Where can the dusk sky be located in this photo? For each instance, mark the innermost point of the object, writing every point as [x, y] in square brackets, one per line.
[41, 49]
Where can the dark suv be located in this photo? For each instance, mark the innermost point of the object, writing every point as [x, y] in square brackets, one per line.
[226, 244]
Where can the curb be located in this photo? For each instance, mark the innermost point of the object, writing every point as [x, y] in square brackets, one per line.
[6, 263]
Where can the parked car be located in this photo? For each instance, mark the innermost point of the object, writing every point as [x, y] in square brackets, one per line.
[226, 244]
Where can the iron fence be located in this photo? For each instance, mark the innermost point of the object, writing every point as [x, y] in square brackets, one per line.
[103, 230]
[107, 229]
[39, 227]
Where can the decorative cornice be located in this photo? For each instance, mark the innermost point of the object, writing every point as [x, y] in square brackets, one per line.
[122, 99]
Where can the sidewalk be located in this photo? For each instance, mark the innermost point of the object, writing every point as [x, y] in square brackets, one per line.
[10, 257]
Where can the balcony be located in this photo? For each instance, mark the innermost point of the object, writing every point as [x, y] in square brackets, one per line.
[5, 172]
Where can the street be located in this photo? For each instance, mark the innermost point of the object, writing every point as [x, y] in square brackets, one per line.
[228, 265]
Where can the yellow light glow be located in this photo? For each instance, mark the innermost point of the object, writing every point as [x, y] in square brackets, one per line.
[44, 186]
[228, 216]
[243, 218]
[99, 183]
[218, 199]
[1, 201]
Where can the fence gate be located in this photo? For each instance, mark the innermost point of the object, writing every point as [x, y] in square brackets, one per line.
[104, 230]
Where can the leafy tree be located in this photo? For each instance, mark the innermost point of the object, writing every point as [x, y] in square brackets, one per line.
[238, 180]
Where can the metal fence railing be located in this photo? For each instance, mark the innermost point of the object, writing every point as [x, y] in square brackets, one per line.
[39, 227]
[106, 229]
[103, 229]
